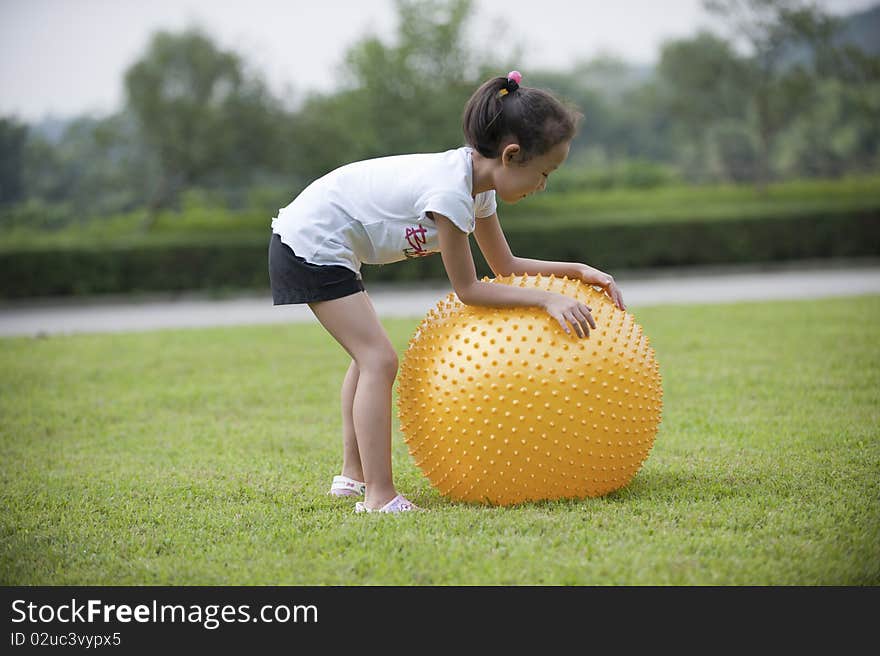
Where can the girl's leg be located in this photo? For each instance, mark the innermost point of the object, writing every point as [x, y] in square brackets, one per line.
[353, 322]
[351, 457]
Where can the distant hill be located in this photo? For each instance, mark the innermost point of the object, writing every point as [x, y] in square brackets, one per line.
[612, 75]
[51, 129]
[862, 29]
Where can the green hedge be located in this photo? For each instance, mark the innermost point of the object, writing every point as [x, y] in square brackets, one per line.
[241, 262]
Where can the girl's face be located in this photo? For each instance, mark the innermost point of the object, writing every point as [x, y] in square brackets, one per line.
[514, 181]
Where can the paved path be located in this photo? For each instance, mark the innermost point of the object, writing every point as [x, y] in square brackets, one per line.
[640, 289]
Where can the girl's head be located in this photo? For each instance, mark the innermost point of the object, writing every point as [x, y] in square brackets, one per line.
[501, 112]
[527, 131]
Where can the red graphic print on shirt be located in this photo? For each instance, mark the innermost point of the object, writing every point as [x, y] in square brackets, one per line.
[417, 238]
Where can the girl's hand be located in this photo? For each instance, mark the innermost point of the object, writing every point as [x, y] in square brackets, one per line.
[568, 310]
[604, 280]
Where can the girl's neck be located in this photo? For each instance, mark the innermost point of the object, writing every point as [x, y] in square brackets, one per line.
[483, 173]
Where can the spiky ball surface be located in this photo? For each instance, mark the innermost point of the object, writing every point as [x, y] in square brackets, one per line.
[500, 406]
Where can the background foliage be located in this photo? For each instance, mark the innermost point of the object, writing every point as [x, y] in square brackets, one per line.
[781, 92]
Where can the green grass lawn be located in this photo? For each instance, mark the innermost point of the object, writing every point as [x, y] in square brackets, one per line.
[202, 457]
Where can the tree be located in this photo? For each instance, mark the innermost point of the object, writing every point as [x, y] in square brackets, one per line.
[704, 78]
[410, 95]
[700, 82]
[207, 120]
[91, 168]
[13, 136]
[833, 136]
[782, 79]
[396, 98]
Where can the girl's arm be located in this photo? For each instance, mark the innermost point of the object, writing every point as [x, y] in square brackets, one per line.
[503, 262]
[455, 249]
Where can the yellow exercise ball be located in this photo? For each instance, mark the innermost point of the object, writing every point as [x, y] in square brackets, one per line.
[501, 406]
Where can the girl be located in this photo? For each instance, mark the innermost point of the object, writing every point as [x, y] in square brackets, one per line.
[391, 208]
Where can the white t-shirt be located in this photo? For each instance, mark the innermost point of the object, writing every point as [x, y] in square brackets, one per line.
[374, 211]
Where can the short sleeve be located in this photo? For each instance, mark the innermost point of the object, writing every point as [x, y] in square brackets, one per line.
[485, 205]
[455, 206]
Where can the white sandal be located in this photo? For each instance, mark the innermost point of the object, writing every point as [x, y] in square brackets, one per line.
[398, 504]
[343, 486]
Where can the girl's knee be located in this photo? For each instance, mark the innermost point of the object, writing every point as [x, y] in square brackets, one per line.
[380, 361]
[389, 363]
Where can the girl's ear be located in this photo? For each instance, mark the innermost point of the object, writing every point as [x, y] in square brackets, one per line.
[510, 154]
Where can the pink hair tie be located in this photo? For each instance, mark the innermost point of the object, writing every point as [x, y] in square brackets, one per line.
[512, 84]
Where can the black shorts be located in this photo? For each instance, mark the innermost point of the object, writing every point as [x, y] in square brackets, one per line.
[293, 280]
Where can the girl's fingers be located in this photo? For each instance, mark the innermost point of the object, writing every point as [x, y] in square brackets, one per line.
[616, 296]
[588, 317]
[563, 325]
[586, 320]
[582, 312]
[575, 322]
[583, 330]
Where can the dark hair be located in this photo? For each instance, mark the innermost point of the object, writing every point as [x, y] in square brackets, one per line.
[534, 117]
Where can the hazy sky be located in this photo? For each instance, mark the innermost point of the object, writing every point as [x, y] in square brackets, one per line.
[65, 57]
